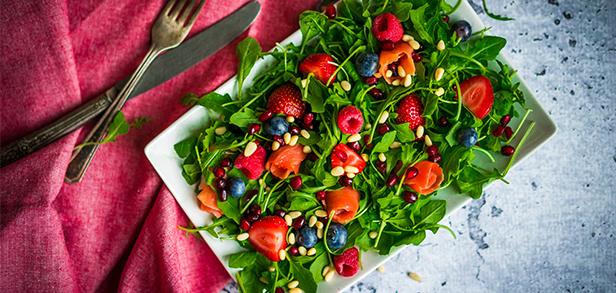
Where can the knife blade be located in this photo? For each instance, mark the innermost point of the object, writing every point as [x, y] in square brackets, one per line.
[165, 67]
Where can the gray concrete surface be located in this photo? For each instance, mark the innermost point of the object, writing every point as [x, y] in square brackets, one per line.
[553, 228]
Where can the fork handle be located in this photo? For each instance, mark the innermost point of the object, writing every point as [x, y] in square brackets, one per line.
[83, 156]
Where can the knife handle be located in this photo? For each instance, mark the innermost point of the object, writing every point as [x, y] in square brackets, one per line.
[61, 127]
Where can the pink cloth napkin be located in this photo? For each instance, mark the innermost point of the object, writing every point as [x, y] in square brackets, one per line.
[117, 229]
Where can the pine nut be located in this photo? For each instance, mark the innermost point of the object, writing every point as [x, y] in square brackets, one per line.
[388, 73]
[329, 276]
[312, 221]
[311, 251]
[222, 118]
[320, 213]
[350, 175]
[293, 140]
[351, 169]
[263, 280]
[305, 133]
[338, 171]
[302, 250]
[346, 86]
[295, 214]
[288, 220]
[250, 149]
[275, 146]
[368, 126]
[260, 181]
[408, 80]
[293, 284]
[383, 117]
[325, 271]
[414, 44]
[395, 82]
[373, 234]
[242, 237]
[441, 45]
[296, 290]
[282, 254]
[395, 145]
[365, 157]
[277, 206]
[268, 189]
[291, 238]
[407, 38]
[381, 269]
[428, 140]
[420, 131]
[415, 277]
[220, 130]
[287, 138]
[439, 92]
[304, 82]
[290, 119]
[401, 71]
[319, 225]
[353, 138]
[320, 233]
[307, 149]
[271, 269]
[382, 157]
[438, 74]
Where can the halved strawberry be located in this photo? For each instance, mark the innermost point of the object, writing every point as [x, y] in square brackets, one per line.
[321, 65]
[477, 95]
[287, 100]
[410, 111]
[268, 236]
[344, 156]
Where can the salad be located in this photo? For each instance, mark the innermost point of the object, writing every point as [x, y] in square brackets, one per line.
[340, 145]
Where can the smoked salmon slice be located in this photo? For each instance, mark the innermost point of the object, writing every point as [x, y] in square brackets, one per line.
[344, 202]
[402, 53]
[208, 197]
[285, 160]
[428, 179]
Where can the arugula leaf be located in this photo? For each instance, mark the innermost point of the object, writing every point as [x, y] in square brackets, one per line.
[186, 146]
[311, 24]
[244, 118]
[304, 276]
[189, 99]
[495, 16]
[418, 17]
[216, 102]
[486, 48]
[386, 141]
[433, 212]
[242, 259]
[119, 126]
[404, 133]
[248, 52]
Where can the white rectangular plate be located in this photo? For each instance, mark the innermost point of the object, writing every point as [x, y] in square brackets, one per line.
[162, 155]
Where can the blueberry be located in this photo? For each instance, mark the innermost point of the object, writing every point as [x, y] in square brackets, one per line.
[467, 137]
[276, 126]
[367, 63]
[463, 29]
[336, 236]
[236, 187]
[306, 237]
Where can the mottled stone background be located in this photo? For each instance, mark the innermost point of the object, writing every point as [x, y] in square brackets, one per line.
[553, 228]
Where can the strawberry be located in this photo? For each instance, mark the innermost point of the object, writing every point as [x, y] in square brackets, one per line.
[321, 65]
[347, 264]
[252, 166]
[387, 27]
[287, 100]
[344, 156]
[477, 95]
[268, 236]
[350, 120]
[410, 111]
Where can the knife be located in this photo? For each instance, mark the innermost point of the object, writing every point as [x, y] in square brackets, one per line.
[165, 67]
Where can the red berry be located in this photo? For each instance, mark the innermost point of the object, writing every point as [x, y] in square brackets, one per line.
[280, 213]
[345, 181]
[296, 182]
[308, 118]
[410, 111]
[226, 162]
[409, 197]
[383, 128]
[376, 93]
[244, 224]
[508, 132]
[393, 67]
[387, 46]
[330, 12]
[416, 57]
[380, 166]
[279, 290]
[253, 128]
[341, 155]
[252, 217]
[251, 194]
[347, 264]
[370, 80]
[411, 173]
[350, 120]
[321, 65]
[256, 141]
[386, 27]
[299, 222]
[505, 120]
[265, 115]
[391, 180]
[367, 140]
[436, 158]
[498, 131]
[294, 130]
[219, 172]
[320, 195]
[252, 166]
[256, 209]
[354, 146]
[293, 251]
[443, 122]
[220, 183]
[313, 157]
[309, 127]
[287, 100]
[446, 18]
[222, 195]
[432, 150]
[279, 139]
[507, 150]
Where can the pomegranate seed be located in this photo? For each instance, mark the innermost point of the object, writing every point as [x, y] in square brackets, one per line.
[294, 130]
[366, 140]
[299, 222]
[376, 93]
[279, 290]
[220, 183]
[280, 213]
[253, 128]
[354, 146]
[436, 158]
[498, 131]
[219, 172]
[508, 132]
[308, 117]
[411, 173]
[330, 12]
[443, 122]
[432, 150]
[251, 194]
[380, 166]
[387, 46]
[265, 115]
[256, 141]
[391, 180]
[235, 129]
[416, 57]
[345, 181]
[394, 69]
[324, 219]
[446, 18]
[256, 209]
[341, 155]
[222, 195]
[507, 150]
[244, 224]
[296, 182]
[409, 197]
[309, 127]
[313, 157]
[383, 128]
[226, 162]
[320, 195]
[252, 217]
[370, 80]
[268, 147]
[505, 120]
[279, 139]
[421, 48]
[293, 251]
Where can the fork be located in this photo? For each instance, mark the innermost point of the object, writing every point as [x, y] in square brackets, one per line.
[169, 30]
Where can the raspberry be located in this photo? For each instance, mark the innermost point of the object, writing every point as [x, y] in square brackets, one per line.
[347, 264]
[252, 166]
[386, 27]
[350, 120]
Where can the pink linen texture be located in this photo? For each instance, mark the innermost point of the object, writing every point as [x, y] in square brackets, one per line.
[116, 231]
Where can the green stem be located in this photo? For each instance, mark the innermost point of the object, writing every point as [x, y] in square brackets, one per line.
[485, 152]
[455, 8]
[329, 81]
[532, 124]
[519, 126]
[259, 94]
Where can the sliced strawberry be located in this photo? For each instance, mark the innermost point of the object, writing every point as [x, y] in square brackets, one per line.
[252, 166]
[268, 236]
[410, 111]
[321, 65]
[344, 156]
[287, 100]
[477, 95]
